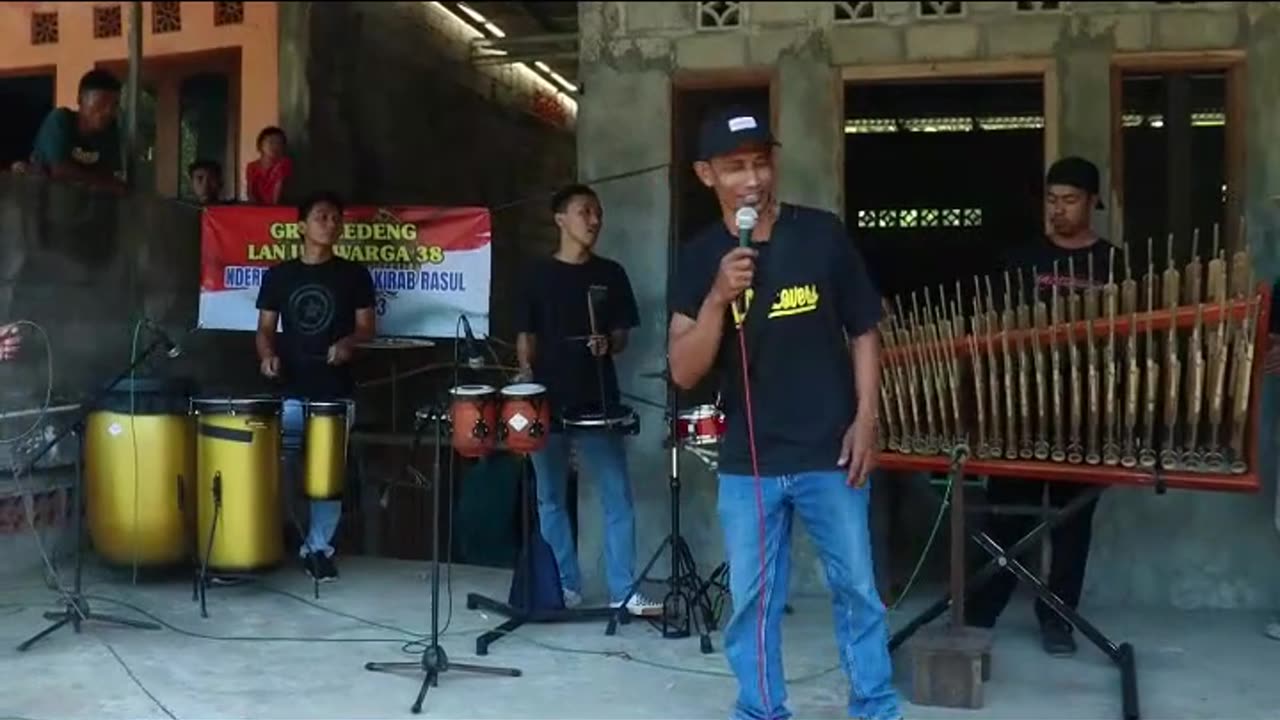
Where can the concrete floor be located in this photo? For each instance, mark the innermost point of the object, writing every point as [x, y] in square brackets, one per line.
[1191, 665]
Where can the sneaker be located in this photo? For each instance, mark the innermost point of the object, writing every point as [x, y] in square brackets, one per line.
[1272, 630]
[1056, 637]
[571, 599]
[641, 605]
[320, 567]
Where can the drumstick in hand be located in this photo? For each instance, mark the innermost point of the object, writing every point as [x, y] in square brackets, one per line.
[591, 319]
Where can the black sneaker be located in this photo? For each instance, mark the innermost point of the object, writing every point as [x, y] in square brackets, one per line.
[1056, 637]
[320, 567]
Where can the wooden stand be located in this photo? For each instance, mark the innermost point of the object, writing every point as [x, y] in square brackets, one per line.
[949, 664]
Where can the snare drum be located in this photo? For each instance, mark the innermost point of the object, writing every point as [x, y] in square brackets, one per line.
[526, 417]
[239, 527]
[325, 449]
[619, 418]
[701, 425]
[473, 414]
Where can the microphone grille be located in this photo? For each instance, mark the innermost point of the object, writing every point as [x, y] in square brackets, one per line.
[746, 218]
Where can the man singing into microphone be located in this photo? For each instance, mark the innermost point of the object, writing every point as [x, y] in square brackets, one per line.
[801, 429]
[569, 348]
[325, 304]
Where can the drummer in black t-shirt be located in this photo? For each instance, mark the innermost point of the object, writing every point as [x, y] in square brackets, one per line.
[801, 432]
[575, 314]
[324, 304]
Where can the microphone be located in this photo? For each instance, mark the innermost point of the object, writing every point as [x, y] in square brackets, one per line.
[746, 218]
[475, 360]
[172, 349]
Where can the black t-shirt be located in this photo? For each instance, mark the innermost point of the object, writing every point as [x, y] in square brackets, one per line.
[811, 296]
[553, 308]
[1040, 255]
[317, 306]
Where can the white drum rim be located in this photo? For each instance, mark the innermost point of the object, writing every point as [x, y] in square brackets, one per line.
[700, 412]
[524, 389]
[471, 390]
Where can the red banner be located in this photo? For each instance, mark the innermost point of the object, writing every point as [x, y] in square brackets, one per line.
[428, 264]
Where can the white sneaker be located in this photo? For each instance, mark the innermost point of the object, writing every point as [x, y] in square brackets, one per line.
[1272, 630]
[571, 599]
[641, 605]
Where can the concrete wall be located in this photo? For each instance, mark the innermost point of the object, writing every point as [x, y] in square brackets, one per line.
[1183, 550]
[373, 113]
[383, 115]
[86, 265]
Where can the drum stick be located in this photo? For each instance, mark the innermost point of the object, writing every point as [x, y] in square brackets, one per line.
[591, 319]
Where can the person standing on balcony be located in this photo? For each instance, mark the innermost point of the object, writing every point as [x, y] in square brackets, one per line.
[83, 145]
[266, 176]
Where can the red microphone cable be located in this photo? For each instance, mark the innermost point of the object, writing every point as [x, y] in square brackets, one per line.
[761, 661]
[746, 220]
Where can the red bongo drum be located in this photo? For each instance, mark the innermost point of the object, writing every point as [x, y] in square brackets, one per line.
[473, 415]
[526, 417]
[701, 425]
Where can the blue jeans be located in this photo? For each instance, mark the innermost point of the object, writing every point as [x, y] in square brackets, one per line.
[602, 456]
[325, 514]
[836, 517]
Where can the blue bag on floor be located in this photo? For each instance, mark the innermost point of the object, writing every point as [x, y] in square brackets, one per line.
[544, 591]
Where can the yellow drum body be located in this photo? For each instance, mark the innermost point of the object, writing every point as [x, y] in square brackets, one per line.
[140, 477]
[325, 446]
[240, 529]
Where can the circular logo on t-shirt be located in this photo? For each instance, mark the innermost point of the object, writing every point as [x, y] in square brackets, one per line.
[312, 309]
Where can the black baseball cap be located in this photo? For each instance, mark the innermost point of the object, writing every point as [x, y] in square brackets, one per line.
[1078, 173]
[726, 129]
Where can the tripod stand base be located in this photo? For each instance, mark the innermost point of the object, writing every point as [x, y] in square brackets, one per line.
[76, 612]
[434, 662]
[686, 598]
[520, 616]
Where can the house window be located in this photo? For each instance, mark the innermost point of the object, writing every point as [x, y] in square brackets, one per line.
[166, 17]
[719, 15]
[44, 28]
[107, 21]
[228, 13]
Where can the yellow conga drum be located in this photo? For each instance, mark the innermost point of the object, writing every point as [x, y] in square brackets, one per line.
[139, 474]
[325, 447]
[238, 484]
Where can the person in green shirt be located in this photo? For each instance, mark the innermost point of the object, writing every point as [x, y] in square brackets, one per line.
[83, 145]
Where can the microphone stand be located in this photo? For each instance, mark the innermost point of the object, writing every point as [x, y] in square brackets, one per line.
[76, 609]
[434, 661]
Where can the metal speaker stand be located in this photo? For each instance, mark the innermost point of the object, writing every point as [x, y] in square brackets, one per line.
[434, 661]
[687, 594]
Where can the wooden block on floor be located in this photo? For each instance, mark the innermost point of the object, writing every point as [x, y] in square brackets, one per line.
[948, 666]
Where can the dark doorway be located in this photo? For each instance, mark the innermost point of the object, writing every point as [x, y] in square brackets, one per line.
[26, 101]
[1174, 132]
[940, 177]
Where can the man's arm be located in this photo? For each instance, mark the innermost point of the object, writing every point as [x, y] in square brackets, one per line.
[526, 352]
[694, 341]
[866, 372]
[265, 342]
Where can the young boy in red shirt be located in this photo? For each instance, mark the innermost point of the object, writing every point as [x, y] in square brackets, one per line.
[266, 176]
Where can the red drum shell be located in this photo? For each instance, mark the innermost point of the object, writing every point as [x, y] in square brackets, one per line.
[473, 414]
[526, 417]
